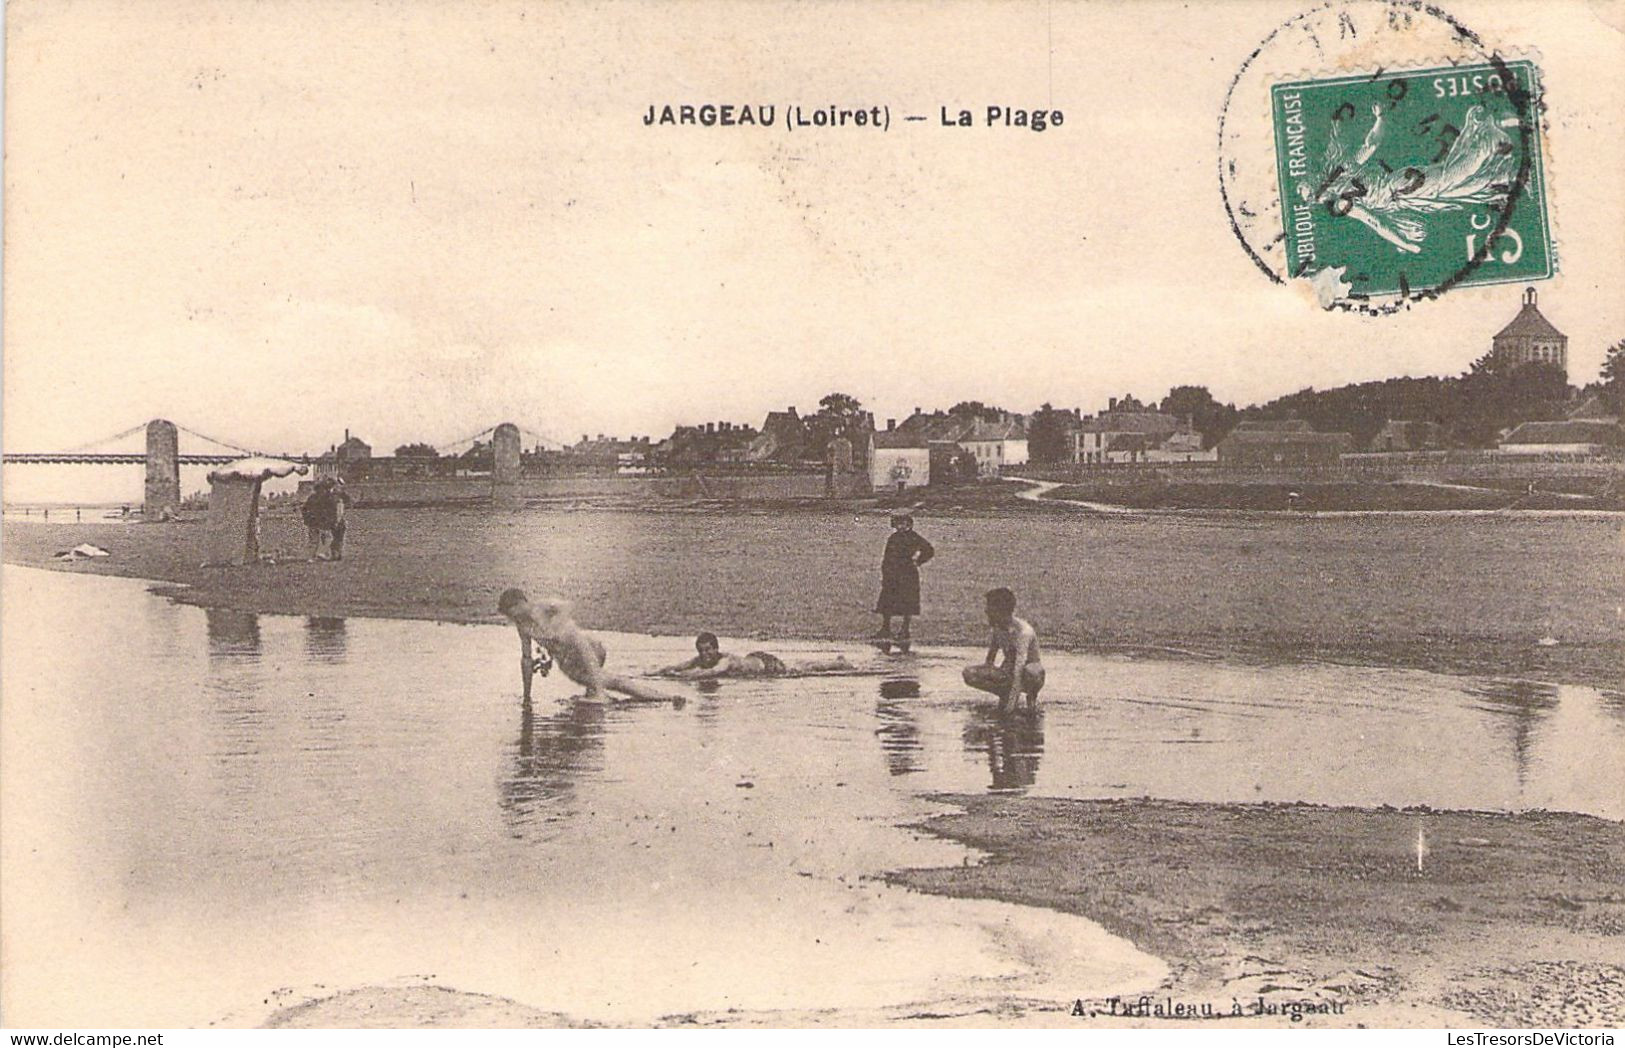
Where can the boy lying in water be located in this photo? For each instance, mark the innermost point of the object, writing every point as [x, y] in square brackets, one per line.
[711, 662]
[579, 654]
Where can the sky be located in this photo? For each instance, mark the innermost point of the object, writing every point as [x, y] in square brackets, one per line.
[274, 221]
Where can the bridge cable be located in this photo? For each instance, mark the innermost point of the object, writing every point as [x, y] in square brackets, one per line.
[212, 440]
[106, 440]
[465, 440]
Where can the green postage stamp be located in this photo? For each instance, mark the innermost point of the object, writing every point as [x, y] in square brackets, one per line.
[1411, 183]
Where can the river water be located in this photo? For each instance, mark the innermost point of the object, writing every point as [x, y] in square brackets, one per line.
[209, 814]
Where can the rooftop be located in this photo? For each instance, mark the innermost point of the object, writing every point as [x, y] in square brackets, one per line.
[1130, 422]
[1529, 323]
[898, 438]
[1279, 436]
[982, 429]
[1573, 431]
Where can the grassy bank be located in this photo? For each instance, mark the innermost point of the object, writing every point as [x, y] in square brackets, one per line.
[1511, 920]
[1500, 595]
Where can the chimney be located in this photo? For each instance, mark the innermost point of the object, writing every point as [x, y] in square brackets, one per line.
[891, 424]
[792, 411]
[710, 427]
[584, 438]
[347, 428]
[1111, 404]
[1529, 296]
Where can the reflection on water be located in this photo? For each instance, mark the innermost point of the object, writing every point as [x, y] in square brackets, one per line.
[233, 633]
[324, 638]
[1523, 706]
[553, 753]
[898, 732]
[289, 783]
[1013, 743]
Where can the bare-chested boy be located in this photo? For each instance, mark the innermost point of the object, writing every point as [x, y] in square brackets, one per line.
[711, 662]
[578, 653]
[1022, 670]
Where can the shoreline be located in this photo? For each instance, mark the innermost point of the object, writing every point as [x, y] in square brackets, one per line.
[1515, 920]
[1512, 919]
[188, 594]
[737, 578]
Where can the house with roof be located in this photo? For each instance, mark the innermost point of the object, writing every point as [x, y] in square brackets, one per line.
[343, 460]
[1568, 436]
[1094, 436]
[994, 444]
[784, 438]
[705, 444]
[1594, 409]
[938, 425]
[898, 459]
[1183, 446]
[1531, 339]
[609, 453]
[1281, 445]
[1398, 435]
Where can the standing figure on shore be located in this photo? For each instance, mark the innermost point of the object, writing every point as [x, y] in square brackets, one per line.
[323, 521]
[1023, 671]
[341, 512]
[578, 653]
[900, 581]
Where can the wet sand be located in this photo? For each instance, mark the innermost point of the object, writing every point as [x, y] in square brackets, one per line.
[1512, 920]
[1275, 910]
[1504, 596]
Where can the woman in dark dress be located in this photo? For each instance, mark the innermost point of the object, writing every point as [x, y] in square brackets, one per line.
[900, 579]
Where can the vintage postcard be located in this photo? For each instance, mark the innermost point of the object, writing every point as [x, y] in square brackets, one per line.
[1082, 515]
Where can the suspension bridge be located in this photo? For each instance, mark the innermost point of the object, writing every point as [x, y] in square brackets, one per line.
[163, 458]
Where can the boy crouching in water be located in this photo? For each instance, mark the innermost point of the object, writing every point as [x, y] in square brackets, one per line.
[1022, 670]
[579, 654]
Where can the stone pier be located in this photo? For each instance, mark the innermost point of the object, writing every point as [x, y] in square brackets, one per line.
[505, 466]
[163, 494]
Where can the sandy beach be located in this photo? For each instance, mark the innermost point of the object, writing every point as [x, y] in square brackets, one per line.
[1272, 915]
[1296, 914]
[1279, 903]
[1502, 595]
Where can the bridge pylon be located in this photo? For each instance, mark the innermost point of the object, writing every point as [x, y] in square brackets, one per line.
[163, 491]
[505, 465]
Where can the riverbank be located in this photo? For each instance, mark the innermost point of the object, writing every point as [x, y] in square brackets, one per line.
[1396, 497]
[1500, 595]
[1502, 920]
[1295, 915]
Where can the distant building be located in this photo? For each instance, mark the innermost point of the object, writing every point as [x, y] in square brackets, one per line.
[605, 453]
[1396, 435]
[995, 445]
[354, 449]
[1094, 436]
[1184, 446]
[1275, 425]
[899, 459]
[1531, 339]
[784, 438]
[343, 460]
[939, 425]
[1572, 436]
[705, 445]
[1251, 446]
[1594, 409]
